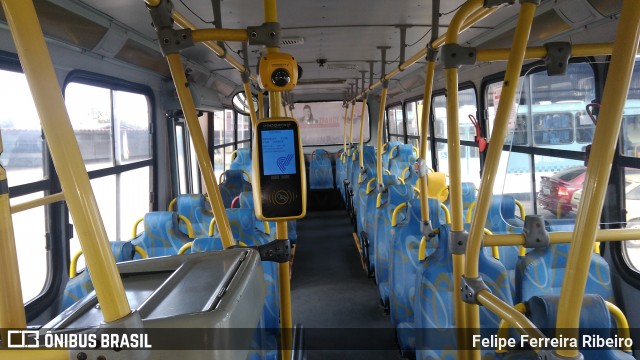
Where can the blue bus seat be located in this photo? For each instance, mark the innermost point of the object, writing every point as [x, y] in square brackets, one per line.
[206, 244]
[502, 219]
[433, 309]
[387, 150]
[370, 225]
[320, 170]
[595, 320]
[340, 172]
[404, 264]
[369, 163]
[242, 160]
[391, 198]
[81, 285]
[161, 235]
[194, 207]
[233, 184]
[541, 272]
[404, 156]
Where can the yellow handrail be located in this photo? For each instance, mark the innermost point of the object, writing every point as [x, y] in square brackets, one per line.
[185, 247]
[395, 213]
[244, 172]
[621, 323]
[494, 249]
[134, 233]
[422, 249]
[470, 212]
[143, 254]
[447, 214]
[404, 172]
[73, 265]
[212, 225]
[49, 199]
[370, 189]
[523, 213]
[172, 204]
[503, 328]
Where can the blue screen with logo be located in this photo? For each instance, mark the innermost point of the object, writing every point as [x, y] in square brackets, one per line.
[278, 152]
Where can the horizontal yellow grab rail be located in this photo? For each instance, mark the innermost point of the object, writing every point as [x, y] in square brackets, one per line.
[46, 200]
[540, 52]
[369, 187]
[143, 254]
[202, 35]
[523, 213]
[561, 237]
[172, 204]
[494, 250]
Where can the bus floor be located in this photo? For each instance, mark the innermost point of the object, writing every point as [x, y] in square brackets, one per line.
[331, 296]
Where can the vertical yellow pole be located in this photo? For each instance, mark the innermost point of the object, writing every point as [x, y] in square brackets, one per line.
[361, 147]
[383, 104]
[353, 109]
[11, 302]
[41, 77]
[455, 181]
[286, 322]
[344, 148]
[510, 85]
[424, 137]
[200, 147]
[260, 105]
[252, 109]
[614, 96]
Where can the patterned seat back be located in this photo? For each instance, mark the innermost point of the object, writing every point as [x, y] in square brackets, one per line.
[81, 285]
[433, 302]
[242, 161]
[194, 207]
[403, 157]
[541, 272]
[233, 184]
[320, 170]
[390, 199]
[161, 235]
[387, 151]
[404, 264]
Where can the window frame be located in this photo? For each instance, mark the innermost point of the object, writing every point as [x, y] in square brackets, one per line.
[400, 105]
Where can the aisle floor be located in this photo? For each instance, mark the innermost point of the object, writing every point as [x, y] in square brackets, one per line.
[331, 295]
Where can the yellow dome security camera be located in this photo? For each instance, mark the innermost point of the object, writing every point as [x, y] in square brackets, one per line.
[278, 72]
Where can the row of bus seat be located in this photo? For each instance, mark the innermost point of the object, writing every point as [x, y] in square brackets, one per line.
[415, 274]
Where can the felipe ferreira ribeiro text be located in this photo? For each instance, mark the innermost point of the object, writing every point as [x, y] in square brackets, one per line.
[586, 341]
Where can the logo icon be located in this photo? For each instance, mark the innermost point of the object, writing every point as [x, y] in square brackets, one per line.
[283, 162]
[21, 336]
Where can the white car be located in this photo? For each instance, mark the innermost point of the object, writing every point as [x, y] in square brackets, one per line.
[632, 195]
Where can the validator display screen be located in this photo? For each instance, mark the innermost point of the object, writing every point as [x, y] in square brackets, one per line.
[278, 152]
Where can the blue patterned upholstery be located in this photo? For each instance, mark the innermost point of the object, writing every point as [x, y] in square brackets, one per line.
[541, 272]
[242, 160]
[161, 235]
[594, 320]
[194, 208]
[501, 219]
[242, 223]
[469, 196]
[233, 184]
[410, 177]
[391, 198]
[369, 165]
[206, 244]
[320, 170]
[81, 285]
[341, 173]
[404, 157]
[387, 151]
[404, 264]
[433, 302]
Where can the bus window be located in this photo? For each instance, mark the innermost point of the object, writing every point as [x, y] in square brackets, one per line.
[96, 114]
[21, 133]
[632, 205]
[182, 158]
[29, 231]
[414, 126]
[584, 128]
[552, 129]
[396, 126]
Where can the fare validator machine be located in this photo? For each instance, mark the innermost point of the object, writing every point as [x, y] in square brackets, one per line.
[279, 181]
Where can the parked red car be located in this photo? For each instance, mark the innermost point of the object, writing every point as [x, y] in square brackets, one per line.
[556, 191]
